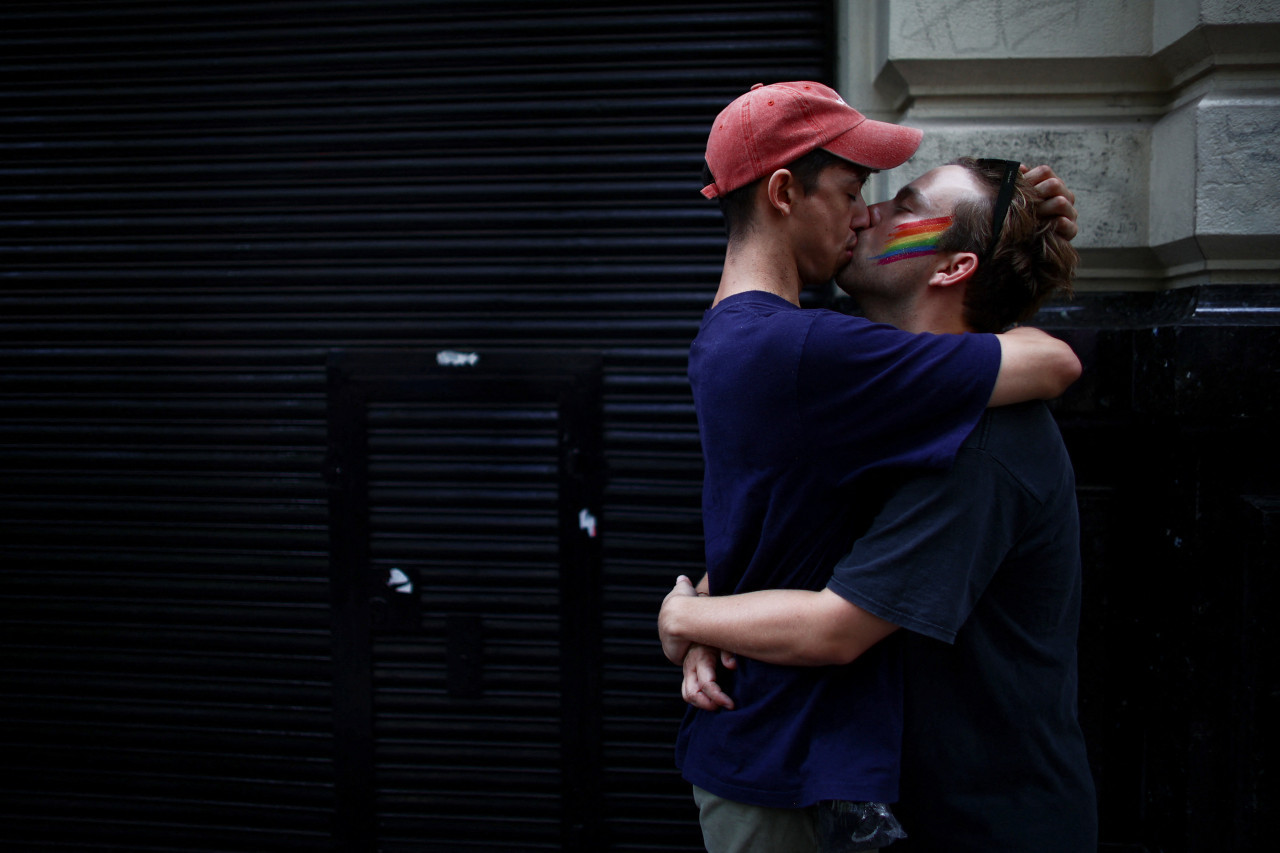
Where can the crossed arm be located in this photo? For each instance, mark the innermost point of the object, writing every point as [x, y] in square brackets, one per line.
[784, 626]
[795, 627]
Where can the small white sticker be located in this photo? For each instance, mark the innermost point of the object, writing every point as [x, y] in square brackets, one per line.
[587, 522]
[399, 581]
[452, 358]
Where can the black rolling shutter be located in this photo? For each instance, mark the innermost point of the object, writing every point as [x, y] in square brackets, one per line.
[200, 202]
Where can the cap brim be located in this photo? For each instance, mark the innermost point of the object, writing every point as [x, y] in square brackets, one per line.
[876, 144]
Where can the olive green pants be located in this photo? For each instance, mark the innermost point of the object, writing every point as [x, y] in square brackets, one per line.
[732, 827]
[729, 827]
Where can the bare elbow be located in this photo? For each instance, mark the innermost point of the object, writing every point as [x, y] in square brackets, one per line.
[1059, 368]
[1067, 367]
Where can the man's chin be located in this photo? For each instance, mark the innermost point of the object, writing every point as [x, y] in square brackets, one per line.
[847, 279]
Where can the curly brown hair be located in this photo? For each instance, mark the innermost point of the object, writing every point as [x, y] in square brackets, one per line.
[1031, 262]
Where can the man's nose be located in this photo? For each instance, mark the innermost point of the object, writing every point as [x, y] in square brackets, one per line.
[872, 218]
[861, 217]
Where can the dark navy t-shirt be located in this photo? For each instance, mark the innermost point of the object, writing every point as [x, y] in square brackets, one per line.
[797, 410]
[982, 565]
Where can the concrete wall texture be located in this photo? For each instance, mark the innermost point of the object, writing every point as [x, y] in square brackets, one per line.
[1161, 115]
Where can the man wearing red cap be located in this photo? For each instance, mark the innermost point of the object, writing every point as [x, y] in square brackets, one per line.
[799, 411]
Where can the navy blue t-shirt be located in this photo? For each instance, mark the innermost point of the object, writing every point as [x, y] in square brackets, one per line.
[982, 565]
[797, 409]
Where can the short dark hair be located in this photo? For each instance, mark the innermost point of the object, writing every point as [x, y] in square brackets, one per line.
[1030, 263]
[736, 206]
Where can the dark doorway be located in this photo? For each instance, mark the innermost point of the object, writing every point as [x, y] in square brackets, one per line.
[465, 532]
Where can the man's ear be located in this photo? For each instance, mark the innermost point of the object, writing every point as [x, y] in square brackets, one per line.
[954, 268]
[781, 190]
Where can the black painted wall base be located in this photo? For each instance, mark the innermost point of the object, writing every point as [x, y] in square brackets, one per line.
[1173, 431]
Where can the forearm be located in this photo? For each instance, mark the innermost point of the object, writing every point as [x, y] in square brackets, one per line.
[782, 626]
[1033, 366]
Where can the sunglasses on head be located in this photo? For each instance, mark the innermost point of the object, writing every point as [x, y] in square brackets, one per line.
[1003, 199]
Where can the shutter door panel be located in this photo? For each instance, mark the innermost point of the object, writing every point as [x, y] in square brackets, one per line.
[200, 202]
[467, 704]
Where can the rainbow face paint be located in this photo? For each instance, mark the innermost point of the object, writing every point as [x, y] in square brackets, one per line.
[913, 239]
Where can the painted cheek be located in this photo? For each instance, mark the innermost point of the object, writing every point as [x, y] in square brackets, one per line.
[913, 240]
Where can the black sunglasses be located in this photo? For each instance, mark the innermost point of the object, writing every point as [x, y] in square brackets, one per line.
[1003, 199]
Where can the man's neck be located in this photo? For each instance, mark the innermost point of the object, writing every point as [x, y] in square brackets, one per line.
[755, 266]
[939, 317]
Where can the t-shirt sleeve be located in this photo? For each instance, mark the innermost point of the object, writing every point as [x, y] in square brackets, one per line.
[875, 397]
[934, 546]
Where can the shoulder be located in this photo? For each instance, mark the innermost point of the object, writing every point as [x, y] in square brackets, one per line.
[1005, 429]
[755, 318]
[1023, 440]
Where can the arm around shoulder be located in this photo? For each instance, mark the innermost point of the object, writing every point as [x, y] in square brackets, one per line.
[1034, 365]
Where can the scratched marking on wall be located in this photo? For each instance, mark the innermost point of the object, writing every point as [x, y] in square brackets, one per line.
[949, 26]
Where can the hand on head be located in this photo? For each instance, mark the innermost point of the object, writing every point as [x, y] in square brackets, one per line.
[1056, 201]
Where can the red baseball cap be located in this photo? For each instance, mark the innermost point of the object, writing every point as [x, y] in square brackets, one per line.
[770, 126]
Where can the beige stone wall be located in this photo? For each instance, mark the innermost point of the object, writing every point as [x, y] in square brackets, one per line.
[1162, 115]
